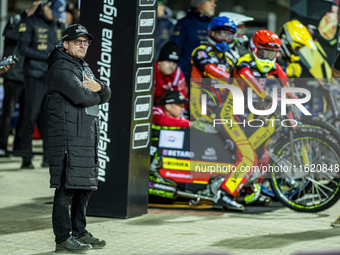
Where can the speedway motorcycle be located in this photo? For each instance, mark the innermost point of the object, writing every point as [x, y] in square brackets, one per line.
[301, 163]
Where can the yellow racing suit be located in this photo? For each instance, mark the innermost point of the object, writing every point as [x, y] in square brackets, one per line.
[207, 62]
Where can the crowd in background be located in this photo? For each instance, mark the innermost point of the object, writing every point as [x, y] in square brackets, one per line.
[199, 45]
[175, 42]
[30, 36]
[301, 52]
[204, 45]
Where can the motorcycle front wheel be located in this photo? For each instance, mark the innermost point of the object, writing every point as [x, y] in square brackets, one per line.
[307, 178]
[320, 127]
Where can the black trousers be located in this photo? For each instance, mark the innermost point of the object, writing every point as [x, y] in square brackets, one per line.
[63, 224]
[14, 93]
[35, 105]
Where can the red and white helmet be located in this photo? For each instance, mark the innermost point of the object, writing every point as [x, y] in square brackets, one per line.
[265, 47]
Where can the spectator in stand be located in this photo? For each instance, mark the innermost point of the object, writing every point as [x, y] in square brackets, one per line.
[14, 79]
[191, 32]
[164, 25]
[170, 110]
[39, 34]
[72, 14]
[168, 76]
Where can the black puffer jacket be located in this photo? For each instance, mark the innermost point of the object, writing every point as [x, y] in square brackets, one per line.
[11, 34]
[73, 135]
[38, 37]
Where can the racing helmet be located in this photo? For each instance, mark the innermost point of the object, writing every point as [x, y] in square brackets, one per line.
[264, 46]
[295, 35]
[222, 33]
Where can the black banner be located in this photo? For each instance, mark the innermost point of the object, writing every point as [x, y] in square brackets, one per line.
[122, 54]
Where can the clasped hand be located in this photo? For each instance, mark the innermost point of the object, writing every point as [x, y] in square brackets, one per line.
[92, 84]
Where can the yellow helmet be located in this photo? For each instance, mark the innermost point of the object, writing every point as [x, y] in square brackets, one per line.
[295, 35]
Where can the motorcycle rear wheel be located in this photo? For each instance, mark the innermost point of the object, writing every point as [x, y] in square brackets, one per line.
[313, 184]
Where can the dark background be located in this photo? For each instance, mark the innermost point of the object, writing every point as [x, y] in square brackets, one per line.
[259, 9]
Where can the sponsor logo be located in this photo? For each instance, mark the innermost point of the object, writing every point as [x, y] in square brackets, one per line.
[177, 175]
[103, 142]
[109, 12]
[178, 153]
[146, 22]
[145, 50]
[147, 2]
[141, 134]
[174, 56]
[202, 54]
[176, 164]
[104, 70]
[171, 139]
[142, 107]
[209, 154]
[144, 79]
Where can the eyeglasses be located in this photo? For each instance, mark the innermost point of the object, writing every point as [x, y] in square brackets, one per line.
[79, 42]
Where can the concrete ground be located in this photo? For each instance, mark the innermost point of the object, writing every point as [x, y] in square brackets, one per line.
[25, 225]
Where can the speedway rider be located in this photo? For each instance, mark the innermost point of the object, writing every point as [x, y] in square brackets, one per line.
[211, 61]
[294, 35]
[241, 44]
[253, 70]
[305, 58]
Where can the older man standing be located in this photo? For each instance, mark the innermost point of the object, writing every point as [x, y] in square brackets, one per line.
[73, 133]
[191, 32]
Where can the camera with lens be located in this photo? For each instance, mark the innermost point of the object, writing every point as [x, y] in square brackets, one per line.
[8, 61]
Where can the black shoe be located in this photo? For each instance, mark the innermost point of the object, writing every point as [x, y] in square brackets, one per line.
[227, 202]
[263, 200]
[90, 239]
[27, 165]
[45, 164]
[72, 245]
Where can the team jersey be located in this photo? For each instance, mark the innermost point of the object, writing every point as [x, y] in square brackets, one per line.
[247, 70]
[162, 83]
[160, 118]
[207, 62]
